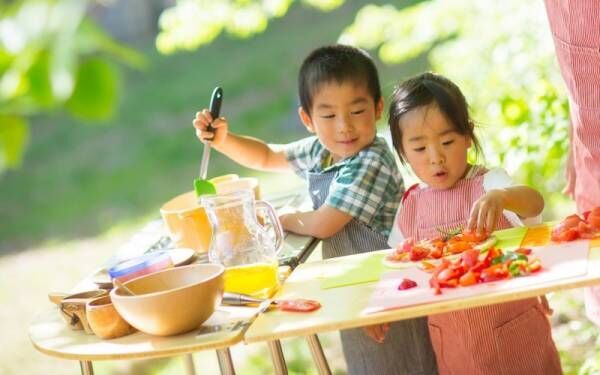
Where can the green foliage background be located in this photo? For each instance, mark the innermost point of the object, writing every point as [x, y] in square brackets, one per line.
[59, 70]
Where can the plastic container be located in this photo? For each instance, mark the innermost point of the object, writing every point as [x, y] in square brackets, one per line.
[139, 266]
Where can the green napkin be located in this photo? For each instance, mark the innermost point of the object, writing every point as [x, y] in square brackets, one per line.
[356, 270]
[510, 239]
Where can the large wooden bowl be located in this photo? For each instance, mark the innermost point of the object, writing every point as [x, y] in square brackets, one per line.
[172, 301]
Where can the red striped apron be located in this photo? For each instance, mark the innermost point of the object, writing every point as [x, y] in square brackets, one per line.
[575, 27]
[507, 338]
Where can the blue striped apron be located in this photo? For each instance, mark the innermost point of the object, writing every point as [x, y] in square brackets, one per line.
[407, 347]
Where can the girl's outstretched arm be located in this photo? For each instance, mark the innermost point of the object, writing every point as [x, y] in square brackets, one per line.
[487, 210]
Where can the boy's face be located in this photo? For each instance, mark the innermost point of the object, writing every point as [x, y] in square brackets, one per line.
[343, 116]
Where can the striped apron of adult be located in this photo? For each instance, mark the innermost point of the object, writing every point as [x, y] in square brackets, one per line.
[407, 347]
[575, 27]
[506, 338]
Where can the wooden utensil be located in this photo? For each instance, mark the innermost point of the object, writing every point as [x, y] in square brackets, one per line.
[122, 286]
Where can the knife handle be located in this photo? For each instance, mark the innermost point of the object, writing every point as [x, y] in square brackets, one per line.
[215, 104]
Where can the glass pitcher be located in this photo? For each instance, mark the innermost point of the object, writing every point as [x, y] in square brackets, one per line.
[242, 244]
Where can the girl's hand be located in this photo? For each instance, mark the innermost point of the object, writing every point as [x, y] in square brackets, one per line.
[377, 332]
[219, 125]
[487, 211]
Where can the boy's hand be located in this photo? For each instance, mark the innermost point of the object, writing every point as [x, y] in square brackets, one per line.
[377, 332]
[487, 211]
[219, 125]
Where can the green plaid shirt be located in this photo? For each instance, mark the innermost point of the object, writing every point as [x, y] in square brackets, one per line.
[368, 186]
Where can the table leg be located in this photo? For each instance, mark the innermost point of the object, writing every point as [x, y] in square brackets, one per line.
[225, 362]
[188, 364]
[318, 356]
[86, 367]
[277, 357]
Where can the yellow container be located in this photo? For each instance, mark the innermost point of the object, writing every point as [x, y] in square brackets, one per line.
[187, 222]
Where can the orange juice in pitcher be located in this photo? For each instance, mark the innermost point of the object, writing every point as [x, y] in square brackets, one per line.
[258, 280]
[243, 245]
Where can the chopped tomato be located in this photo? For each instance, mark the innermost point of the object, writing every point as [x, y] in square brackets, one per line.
[571, 221]
[427, 266]
[534, 265]
[407, 284]
[565, 235]
[448, 274]
[456, 247]
[469, 278]
[406, 245]
[418, 253]
[472, 236]
[594, 222]
[494, 273]
[299, 305]
[470, 257]
[523, 250]
[452, 283]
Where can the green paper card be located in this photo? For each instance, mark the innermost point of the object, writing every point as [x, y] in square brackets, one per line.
[358, 270]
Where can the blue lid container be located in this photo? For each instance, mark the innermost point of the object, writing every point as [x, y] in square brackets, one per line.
[152, 262]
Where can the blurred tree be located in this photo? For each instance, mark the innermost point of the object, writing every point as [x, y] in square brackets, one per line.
[499, 53]
[193, 23]
[52, 56]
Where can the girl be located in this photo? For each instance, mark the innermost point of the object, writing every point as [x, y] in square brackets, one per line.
[432, 132]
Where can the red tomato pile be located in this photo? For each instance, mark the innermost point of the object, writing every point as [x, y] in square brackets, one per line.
[574, 227]
[409, 250]
[475, 267]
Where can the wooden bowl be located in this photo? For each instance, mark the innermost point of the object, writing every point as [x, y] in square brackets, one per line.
[172, 301]
[104, 320]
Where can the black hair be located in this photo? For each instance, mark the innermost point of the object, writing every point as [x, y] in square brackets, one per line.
[423, 90]
[339, 63]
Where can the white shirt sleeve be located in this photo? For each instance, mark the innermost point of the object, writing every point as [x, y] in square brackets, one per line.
[497, 178]
[396, 236]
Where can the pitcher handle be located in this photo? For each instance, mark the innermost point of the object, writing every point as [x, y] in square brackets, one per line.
[276, 224]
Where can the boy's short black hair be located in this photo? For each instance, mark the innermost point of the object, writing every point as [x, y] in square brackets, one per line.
[339, 63]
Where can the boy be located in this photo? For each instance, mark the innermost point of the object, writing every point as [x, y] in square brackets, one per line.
[353, 181]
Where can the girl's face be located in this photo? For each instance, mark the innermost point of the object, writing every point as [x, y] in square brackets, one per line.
[435, 151]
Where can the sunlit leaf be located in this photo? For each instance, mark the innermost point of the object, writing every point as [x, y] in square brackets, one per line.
[14, 135]
[95, 93]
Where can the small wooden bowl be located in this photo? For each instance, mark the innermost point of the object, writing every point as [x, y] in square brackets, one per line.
[72, 308]
[104, 320]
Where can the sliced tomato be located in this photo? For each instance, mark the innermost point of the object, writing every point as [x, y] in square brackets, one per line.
[418, 253]
[457, 247]
[594, 222]
[407, 284]
[427, 266]
[470, 257]
[564, 235]
[494, 273]
[523, 250]
[299, 305]
[452, 283]
[469, 278]
[571, 221]
[472, 236]
[534, 265]
[406, 245]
